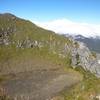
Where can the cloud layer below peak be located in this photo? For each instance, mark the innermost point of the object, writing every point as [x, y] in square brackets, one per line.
[64, 26]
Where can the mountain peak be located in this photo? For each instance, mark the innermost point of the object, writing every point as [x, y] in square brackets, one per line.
[7, 14]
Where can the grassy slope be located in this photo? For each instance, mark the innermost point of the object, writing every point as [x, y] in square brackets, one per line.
[11, 56]
[87, 89]
[20, 30]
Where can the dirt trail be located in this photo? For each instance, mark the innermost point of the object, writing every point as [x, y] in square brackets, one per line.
[39, 85]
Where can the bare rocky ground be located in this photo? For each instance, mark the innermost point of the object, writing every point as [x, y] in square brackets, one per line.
[39, 84]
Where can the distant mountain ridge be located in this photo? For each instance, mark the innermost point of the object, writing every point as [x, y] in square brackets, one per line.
[93, 43]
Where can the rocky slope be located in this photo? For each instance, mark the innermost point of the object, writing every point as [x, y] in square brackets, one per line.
[82, 56]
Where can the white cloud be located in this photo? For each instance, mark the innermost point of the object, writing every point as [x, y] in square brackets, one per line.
[63, 26]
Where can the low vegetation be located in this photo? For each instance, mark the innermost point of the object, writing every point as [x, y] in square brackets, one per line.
[87, 89]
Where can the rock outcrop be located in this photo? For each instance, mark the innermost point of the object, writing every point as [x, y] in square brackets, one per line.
[83, 57]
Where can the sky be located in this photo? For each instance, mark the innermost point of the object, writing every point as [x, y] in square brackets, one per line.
[81, 13]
